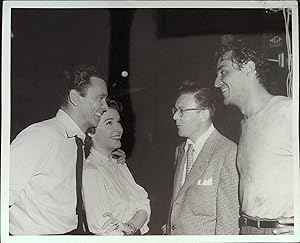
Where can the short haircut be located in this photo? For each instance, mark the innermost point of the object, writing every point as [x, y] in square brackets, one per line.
[242, 53]
[205, 98]
[77, 78]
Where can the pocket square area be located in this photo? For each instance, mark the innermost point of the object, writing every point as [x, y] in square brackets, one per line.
[205, 182]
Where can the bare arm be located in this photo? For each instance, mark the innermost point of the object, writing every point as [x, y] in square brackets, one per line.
[138, 220]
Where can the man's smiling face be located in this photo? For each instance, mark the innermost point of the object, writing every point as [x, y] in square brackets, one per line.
[230, 79]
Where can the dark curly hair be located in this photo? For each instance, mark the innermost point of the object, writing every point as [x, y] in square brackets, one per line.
[78, 78]
[242, 53]
[205, 98]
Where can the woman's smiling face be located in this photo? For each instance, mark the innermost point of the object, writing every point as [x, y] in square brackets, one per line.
[109, 131]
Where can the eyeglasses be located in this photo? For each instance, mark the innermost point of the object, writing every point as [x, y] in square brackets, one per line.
[181, 111]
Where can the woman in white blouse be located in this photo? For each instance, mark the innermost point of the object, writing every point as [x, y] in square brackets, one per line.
[114, 203]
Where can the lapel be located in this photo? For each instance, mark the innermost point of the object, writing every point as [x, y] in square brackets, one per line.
[201, 162]
[179, 169]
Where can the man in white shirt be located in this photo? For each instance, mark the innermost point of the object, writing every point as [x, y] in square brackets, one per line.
[42, 188]
[205, 191]
[265, 150]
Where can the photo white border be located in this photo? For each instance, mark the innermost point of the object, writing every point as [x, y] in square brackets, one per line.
[6, 114]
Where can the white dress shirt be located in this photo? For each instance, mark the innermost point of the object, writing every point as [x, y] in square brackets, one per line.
[197, 147]
[42, 190]
[109, 187]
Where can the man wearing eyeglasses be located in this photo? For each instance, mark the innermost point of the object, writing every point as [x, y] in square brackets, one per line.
[205, 190]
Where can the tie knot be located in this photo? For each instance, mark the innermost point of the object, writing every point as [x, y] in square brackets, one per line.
[189, 159]
[78, 141]
[87, 145]
[190, 148]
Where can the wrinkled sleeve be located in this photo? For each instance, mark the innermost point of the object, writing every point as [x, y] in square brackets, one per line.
[142, 201]
[28, 152]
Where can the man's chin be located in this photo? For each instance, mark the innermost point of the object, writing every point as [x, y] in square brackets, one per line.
[96, 120]
[95, 123]
[226, 101]
[180, 134]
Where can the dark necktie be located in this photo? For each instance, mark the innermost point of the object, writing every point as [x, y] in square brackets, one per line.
[82, 226]
[87, 145]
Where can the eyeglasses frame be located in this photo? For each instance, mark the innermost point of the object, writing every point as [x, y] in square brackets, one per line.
[181, 111]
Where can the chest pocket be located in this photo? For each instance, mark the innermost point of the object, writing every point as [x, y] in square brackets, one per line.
[203, 200]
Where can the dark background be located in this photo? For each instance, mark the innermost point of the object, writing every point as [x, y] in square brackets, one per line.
[159, 48]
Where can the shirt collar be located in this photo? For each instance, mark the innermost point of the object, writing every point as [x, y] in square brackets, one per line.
[200, 141]
[71, 127]
[100, 157]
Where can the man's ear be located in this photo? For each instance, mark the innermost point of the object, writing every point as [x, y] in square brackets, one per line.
[204, 115]
[74, 97]
[250, 68]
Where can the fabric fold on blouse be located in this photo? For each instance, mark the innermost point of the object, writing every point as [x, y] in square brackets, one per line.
[109, 187]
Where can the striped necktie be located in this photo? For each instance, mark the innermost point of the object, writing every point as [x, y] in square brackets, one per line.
[189, 159]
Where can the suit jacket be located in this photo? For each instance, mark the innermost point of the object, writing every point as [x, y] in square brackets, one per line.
[207, 203]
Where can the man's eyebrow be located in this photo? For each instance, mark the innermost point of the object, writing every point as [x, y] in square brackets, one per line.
[219, 67]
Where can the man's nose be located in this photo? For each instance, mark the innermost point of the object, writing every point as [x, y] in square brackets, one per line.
[218, 82]
[104, 105]
[175, 116]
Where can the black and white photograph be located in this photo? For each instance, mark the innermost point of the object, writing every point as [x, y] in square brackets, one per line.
[155, 121]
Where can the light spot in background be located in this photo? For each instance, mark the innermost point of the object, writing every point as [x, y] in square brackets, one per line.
[124, 74]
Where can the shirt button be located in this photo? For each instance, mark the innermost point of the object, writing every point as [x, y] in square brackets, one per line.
[173, 227]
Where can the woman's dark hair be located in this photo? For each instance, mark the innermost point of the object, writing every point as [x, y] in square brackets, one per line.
[111, 103]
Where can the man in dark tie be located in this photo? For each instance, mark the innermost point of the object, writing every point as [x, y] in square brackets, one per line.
[205, 191]
[44, 174]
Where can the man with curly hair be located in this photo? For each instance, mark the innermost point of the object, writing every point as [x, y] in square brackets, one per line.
[265, 149]
[42, 189]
